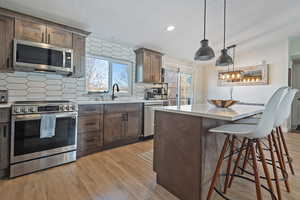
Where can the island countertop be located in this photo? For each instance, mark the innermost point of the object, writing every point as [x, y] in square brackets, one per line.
[233, 113]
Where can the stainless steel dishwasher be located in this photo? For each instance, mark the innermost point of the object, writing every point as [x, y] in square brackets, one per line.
[149, 117]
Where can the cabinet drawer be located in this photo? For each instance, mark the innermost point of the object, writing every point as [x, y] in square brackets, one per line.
[89, 123]
[124, 107]
[4, 115]
[90, 109]
[90, 141]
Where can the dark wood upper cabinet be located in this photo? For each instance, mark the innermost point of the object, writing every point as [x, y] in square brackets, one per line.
[156, 65]
[6, 43]
[30, 31]
[79, 55]
[37, 32]
[59, 37]
[148, 66]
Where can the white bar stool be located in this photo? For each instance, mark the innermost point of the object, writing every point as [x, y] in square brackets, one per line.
[283, 113]
[254, 134]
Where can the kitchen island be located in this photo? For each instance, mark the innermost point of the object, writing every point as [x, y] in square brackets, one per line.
[185, 153]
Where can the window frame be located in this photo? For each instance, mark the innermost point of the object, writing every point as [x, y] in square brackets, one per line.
[110, 61]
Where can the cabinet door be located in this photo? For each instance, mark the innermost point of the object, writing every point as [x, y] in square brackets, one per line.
[6, 41]
[134, 125]
[79, 55]
[59, 37]
[147, 68]
[114, 126]
[156, 63]
[30, 31]
[4, 146]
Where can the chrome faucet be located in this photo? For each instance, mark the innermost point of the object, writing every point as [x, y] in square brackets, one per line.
[113, 96]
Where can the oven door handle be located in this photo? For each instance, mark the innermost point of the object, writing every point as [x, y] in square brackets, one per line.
[39, 116]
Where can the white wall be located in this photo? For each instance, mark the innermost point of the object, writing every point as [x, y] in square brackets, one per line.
[274, 54]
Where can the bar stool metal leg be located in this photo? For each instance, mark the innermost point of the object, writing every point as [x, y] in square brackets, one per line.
[280, 148]
[246, 158]
[280, 163]
[256, 173]
[274, 169]
[218, 168]
[237, 161]
[229, 164]
[264, 164]
[286, 150]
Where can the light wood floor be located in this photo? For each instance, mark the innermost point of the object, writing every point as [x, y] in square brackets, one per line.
[118, 174]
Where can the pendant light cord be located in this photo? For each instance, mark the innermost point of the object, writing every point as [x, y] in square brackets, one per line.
[204, 19]
[233, 58]
[224, 22]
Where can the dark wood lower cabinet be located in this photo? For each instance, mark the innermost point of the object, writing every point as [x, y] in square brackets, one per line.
[4, 141]
[90, 129]
[114, 127]
[106, 126]
[122, 123]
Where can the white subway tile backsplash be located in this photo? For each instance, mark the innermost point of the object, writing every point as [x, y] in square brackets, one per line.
[16, 86]
[13, 79]
[38, 78]
[38, 86]
[36, 90]
[54, 87]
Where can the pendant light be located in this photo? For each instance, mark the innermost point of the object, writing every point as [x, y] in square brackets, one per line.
[204, 52]
[224, 59]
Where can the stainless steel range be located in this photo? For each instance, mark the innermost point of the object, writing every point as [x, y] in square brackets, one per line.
[31, 149]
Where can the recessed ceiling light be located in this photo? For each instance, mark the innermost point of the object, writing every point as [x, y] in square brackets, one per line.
[171, 28]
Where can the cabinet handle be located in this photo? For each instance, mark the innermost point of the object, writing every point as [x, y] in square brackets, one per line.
[49, 38]
[7, 62]
[91, 140]
[90, 124]
[4, 132]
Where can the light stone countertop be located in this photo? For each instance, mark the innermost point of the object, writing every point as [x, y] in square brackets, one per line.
[5, 105]
[120, 101]
[233, 113]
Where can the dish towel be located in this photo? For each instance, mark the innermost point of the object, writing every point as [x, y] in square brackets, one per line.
[47, 126]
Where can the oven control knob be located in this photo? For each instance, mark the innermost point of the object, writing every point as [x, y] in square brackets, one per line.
[71, 108]
[32, 109]
[22, 110]
[66, 108]
[25, 110]
[17, 110]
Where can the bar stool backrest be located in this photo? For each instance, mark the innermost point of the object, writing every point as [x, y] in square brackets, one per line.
[285, 107]
[266, 124]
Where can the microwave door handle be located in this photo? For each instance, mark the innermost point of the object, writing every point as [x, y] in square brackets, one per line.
[64, 59]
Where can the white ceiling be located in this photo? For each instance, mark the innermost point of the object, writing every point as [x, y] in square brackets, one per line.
[140, 23]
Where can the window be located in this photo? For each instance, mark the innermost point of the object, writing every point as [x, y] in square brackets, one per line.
[180, 86]
[102, 73]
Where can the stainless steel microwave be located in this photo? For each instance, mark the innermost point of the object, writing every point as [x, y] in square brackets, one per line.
[40, 57]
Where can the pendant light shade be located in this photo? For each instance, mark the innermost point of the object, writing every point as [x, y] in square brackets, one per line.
[224, 59]
[204, 52]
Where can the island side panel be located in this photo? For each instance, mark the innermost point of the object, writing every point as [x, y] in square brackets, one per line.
[212, 144]
[177, 154]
